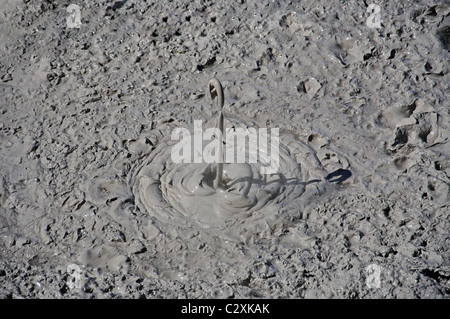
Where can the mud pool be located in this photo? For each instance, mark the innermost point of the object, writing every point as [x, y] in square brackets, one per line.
[92, 204]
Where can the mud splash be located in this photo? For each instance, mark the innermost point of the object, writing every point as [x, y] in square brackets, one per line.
[218, 195]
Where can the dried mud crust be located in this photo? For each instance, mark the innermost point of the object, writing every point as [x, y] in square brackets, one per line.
[81, 108]
[324, 255]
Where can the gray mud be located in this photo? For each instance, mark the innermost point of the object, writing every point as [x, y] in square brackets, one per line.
[83, 109]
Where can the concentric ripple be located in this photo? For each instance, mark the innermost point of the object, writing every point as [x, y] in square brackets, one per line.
[184, 194]
[217, 194]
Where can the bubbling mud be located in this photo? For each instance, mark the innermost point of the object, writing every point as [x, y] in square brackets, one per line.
[216, 195]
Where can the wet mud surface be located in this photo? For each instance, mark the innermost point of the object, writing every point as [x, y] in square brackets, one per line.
[85, 121]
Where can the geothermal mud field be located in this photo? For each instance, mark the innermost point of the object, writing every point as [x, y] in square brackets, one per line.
[92, 204]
